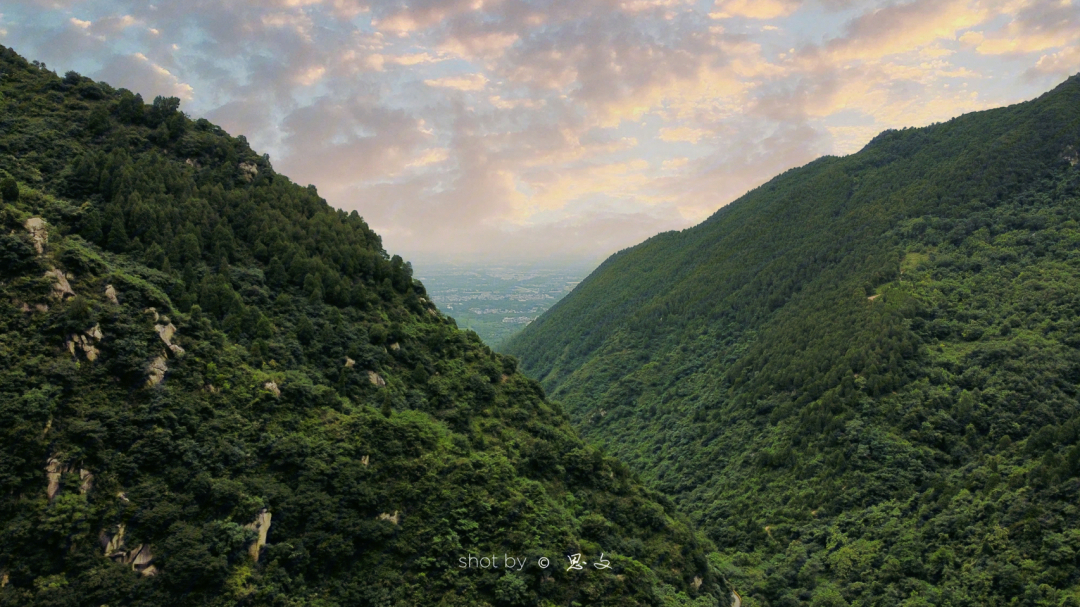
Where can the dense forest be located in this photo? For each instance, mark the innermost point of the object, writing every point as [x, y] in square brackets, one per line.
[215, 389]
[861, 378]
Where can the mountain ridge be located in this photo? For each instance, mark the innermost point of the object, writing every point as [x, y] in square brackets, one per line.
[847, 349]
[215, 389]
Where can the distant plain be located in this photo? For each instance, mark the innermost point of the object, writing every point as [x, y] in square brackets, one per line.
[498, 300]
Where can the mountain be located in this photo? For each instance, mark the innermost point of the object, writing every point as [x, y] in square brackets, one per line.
[215, 389]
[861, 378]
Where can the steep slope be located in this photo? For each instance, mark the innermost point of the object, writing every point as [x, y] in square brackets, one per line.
[217, 390]
[860, 378]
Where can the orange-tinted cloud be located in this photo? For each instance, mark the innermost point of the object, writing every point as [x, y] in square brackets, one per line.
[522, 126]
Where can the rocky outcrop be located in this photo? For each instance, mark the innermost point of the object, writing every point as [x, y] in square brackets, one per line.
[431, 308]
[53, 471]
[365, 460]
[248, 170]
[25, 307]
[261, 526]
[273, 388]
[38, 233]
[166, 333]
[395, 346]
[349, 363]
[86, 481]
[376, 379]
[394, 518]
[114, 543]
[165, 330]
[61, 286]
[142, 560]
[156, 371]
[110, 294]
[86, 343]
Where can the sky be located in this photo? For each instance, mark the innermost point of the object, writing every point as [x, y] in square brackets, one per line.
[470, 130]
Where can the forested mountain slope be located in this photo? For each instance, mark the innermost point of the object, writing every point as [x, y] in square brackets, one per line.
[860, 378]
[217, 390]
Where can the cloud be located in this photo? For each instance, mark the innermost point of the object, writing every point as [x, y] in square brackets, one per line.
[138, 73]
[575, 128]
[429, 157]
[1038, 25]
[311, 75]
[743, 163]
[468, 82]
[507, 104]
[479, 45]
[413, 59]
[755, 9]
[682, 133]
[637, 6]
[1060, 65]
[556, 189]
[900, 28]
[113, 24]
[422, 14]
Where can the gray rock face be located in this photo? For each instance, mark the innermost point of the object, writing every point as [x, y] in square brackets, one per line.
[394, 518]
[61, 288]
[140, 558]
[156, 371]
[38, 233]
[166, 333]
[261, 526]
[114, 543]
[53, 471]
[376, 379]
[110, 294]
[86, 481]
[273, 388]
[85, 343]
[248, 170]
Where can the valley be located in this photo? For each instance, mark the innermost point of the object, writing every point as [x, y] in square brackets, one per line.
[860, 379]
[497, 301]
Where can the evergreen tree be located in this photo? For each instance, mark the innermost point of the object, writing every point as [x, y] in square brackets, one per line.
[9, 190]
